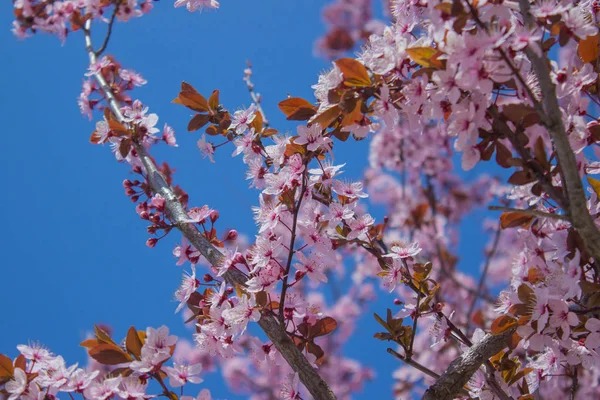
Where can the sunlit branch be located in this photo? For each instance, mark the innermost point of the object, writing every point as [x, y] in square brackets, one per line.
[318, 388]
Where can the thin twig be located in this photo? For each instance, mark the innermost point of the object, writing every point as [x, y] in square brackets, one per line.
[255, 97]
[99, 52]
[483, 276]
[291, 252]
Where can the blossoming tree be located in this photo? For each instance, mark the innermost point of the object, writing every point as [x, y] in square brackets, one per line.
[477, 79]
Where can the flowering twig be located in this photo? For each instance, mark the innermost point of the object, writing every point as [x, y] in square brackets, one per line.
[255, 97]
[317, 387]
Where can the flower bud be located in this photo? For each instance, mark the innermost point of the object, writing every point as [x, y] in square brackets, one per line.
[231, 235]
[151, 242]
[207, 278]
[126, 183]
[214, 215]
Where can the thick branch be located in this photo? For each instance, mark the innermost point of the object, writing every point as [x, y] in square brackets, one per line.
[577, 201]
[462, 369]
[317, 387]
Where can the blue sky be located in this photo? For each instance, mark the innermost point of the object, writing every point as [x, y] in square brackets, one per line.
[72, 248]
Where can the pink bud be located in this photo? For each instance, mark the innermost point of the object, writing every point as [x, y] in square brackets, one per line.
[398, 302]
[151, 242]
[134, 199]
[129, 191]
[144, 215]
[126, 183]
[207, 278]
[151, 229]
[232, 235]
[214, 215]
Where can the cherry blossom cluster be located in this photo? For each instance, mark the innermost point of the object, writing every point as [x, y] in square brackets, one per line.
[444, 78]
[115, 371]
[63, 17]
[464, 70]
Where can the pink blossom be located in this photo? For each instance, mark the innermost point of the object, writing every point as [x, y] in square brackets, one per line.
[181, 374]
[206, 148]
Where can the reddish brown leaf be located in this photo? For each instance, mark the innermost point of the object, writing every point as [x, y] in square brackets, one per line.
[117, 128]
[133, 343]
[323, 327]
[257, 122]
[327, 117]
[297, 109]
[316, 350]
[515, 219]
[109, 354]
[503, 324]
[21, 363]
[102, 335]
[89, 343]
[190, 98]
[197, 122]
[213, 100]
[6, 366]
[588, 48]
[354, 73]
[426, 57]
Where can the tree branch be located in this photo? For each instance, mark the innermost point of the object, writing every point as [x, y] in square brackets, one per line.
[577, 200]
[462, 369]
[317, 387]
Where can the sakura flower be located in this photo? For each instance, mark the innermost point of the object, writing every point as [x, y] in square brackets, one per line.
[181, 374]
[228, 261]
[96, 67]
[168, 136]
[338, 213]
[133, 387]
[159, 339]
[351, 190]
[540, 310]
[290, 391]
[206, 148]
[34, 352]
[151, 360]
[402, 250]
[80, 380]
[313, 137]
[203, 395]
[311, 266]
[16, 386]
[562, 318]
[102, 131]
[392, 277]
[188, 286]
[104, 389]
[440, 331]
[325, 174]
[592, 341]
[242, 313]
[242, 120]
[131, 76]
[360, 227]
